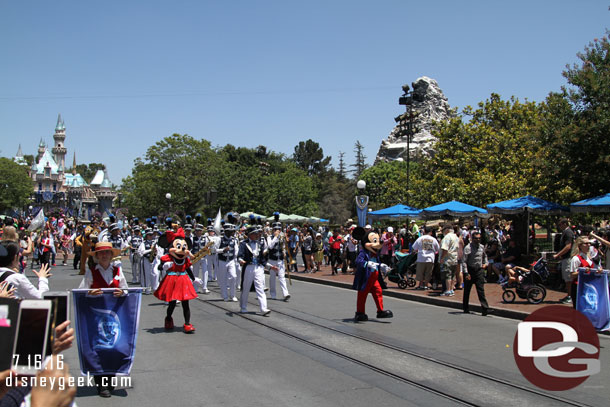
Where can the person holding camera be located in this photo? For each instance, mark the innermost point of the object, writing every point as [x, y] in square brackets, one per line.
[9, 272]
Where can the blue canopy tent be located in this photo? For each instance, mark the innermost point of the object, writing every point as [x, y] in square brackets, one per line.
[396, 211]
[527, 204]
[597, 204]
[453, 208]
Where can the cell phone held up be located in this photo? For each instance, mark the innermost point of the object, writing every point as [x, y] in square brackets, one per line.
[60, 307]
[30, 344]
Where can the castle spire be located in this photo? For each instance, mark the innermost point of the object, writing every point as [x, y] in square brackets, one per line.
[74, 164]
[60, 123]
[19, 152]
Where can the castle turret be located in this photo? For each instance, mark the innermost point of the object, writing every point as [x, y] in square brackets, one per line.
[59, 150]
[41, 149]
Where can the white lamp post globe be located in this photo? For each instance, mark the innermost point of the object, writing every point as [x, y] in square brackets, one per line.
[168, 196]
[361, 184]
[400, 159]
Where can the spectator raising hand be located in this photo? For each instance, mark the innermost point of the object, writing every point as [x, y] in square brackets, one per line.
[60, 394]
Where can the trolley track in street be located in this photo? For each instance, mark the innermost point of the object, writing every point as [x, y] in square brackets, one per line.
[498, 387]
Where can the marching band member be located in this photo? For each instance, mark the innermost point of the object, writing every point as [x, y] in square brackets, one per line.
[252, 260]
[150, 274]
[200, 269]
[133, 242]
[276, 243]
[212, 259]
[228, 268]
[114, 237]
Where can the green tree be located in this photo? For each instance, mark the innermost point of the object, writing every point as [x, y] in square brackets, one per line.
[29, 159]
[16, 187]
[309, 156]
[360, 164]
[179, 164]
[263, 182]
[489, 158]
[577, 130]
[386, 183]
[88, 171]
[342, 171]
[335, 197]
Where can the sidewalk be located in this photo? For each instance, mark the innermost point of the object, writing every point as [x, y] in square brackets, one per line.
[519, 309]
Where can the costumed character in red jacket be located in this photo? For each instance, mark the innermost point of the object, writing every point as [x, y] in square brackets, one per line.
[368, 273]
[177, 285]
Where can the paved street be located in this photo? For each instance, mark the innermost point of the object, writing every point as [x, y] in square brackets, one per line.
[302, 355]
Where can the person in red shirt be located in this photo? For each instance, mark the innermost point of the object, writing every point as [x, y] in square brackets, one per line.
[45, 243]
[335, 242]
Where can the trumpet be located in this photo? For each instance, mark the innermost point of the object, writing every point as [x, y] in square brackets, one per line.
[153, 253]
[205, 251]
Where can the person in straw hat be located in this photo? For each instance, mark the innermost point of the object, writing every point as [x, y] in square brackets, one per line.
[103, 272]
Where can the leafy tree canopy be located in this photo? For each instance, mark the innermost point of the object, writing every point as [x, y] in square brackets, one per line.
[179, 165]
[16, 186]
[88, 171]
[487, 159]
[309, 156]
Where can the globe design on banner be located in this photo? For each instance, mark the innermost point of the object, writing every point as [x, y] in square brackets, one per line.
[591, 298]
[108, 329]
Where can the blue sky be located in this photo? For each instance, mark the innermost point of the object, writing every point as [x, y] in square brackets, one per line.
[125, 74]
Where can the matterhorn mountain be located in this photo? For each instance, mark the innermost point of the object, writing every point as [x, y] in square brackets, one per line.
[429, 106]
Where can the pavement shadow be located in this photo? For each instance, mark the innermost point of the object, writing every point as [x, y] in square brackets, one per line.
[159, 330]
[89, 391]
[456, 313]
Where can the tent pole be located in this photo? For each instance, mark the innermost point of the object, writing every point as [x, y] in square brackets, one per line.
[527, 242]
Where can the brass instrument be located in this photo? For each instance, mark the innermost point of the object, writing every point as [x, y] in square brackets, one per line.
[288, 258]
[205, 251]
[153, 253]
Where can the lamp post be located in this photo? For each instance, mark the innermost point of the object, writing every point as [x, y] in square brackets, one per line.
[362, 203]
[406, 122]
[168, 196]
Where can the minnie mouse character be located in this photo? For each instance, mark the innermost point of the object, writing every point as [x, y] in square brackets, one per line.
[368, 270]
[177, 284]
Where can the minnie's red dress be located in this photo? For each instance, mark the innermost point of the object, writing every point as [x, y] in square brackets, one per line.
[177, 285]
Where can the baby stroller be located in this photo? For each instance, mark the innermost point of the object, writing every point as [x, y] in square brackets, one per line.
[402, 273]
[530, 284]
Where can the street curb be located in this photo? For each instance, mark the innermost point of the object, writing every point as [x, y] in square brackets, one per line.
[505, 313]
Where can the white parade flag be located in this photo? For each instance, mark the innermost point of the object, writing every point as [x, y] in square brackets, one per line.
[217, 222]
[38, 222]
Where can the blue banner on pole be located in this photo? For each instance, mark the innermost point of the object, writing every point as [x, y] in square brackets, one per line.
[362, 204]
[106, 330]
[592, 298]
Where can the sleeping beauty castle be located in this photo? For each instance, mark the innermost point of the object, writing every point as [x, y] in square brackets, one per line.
[58, 189]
